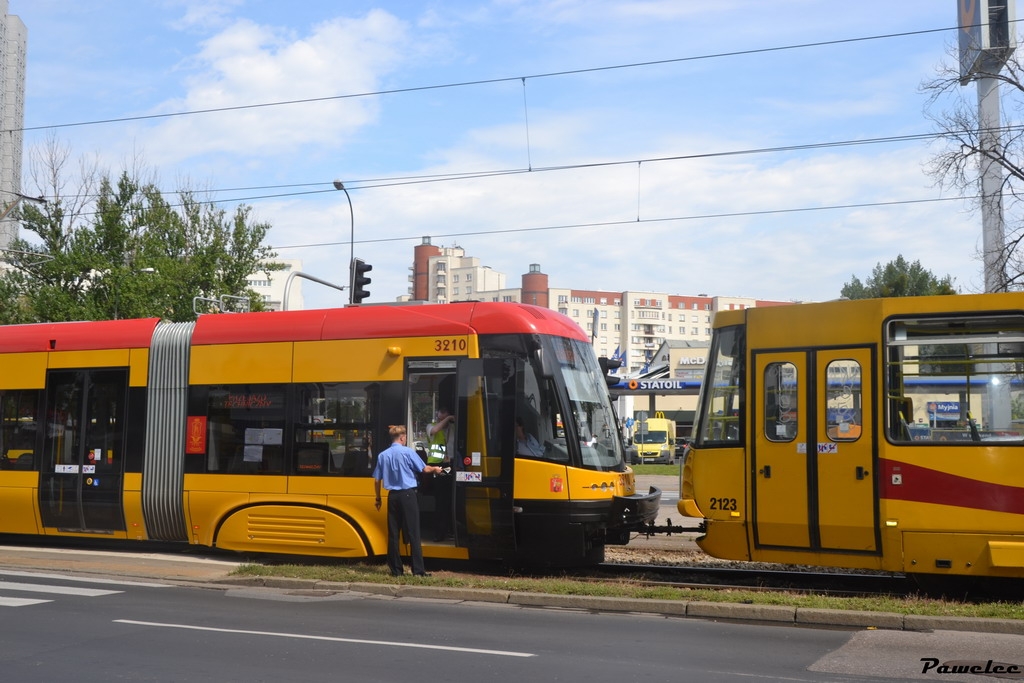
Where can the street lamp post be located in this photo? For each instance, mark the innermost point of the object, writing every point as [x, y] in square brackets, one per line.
[18, 198]
[338, 185]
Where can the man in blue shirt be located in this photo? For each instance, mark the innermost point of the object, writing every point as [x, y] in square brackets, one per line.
[397, 467]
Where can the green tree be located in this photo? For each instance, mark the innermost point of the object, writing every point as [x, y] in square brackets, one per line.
[898, 278]
[128, 253]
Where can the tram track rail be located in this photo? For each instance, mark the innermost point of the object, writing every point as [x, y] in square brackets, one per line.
[838, 584]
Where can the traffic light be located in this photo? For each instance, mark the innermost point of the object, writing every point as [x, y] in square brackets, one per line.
[608, 366]
[358, 281]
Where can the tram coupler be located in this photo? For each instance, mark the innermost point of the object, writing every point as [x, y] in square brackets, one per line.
[668, 528]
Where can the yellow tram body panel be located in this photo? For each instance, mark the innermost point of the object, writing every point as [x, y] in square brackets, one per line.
[584, 484]
[549, 481]
[380, 359]
[963, 553]
[23, 370]
[713, 485]
[540, 480]
[269, 362]
[276, 514]
[134, 521]
[18, 509]
[292, 528]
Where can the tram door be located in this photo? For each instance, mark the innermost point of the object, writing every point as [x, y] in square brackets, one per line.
[779, 458]
[431, 389]
[81, 475]
[487, 392]
[812, 464]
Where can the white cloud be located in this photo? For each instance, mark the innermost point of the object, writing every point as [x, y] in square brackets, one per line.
[248, 63]
[203, 14]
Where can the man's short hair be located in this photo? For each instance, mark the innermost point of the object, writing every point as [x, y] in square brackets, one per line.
[396, 431]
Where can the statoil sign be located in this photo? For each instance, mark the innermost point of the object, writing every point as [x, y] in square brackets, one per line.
[656, 385]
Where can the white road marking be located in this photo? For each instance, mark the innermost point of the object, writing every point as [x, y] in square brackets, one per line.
[19, 602]
[425, 646]
[79, 579]
[59, 590]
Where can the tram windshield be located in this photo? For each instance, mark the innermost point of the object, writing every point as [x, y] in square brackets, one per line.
[563, 409]
[721, 403]
[591, 421]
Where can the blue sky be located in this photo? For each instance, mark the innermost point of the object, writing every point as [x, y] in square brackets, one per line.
[616, 117]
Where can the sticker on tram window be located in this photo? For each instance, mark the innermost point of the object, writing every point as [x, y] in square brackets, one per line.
[469, 476]
[65, 469]
[450, 344]
[723, 504]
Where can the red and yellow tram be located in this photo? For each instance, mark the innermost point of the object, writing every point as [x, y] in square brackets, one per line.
[877, 434]
[257, 432]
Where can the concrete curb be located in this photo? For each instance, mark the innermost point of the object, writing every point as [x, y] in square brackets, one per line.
[728, 611]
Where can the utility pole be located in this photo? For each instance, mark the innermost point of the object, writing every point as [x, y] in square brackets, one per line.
[987, 39]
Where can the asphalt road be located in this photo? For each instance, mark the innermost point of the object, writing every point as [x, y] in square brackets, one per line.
[93, 630]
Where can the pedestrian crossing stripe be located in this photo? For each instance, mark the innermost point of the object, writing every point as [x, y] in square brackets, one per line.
[19, 602]
[57, 590]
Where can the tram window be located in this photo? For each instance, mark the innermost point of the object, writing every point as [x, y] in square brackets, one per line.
[332, 433]
[19, 428]
[431, 387]
[245, 428]
[780, 402]
[843, 400]
[955, 379]
[535, 407]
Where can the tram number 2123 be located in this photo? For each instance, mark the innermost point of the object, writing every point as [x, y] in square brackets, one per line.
[723, 504]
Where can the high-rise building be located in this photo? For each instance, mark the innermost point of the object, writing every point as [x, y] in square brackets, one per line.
[630, 325]
[14, 40]
[445, 274]
[653, 334]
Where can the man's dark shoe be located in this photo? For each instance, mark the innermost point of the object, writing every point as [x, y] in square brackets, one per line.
[423, 574]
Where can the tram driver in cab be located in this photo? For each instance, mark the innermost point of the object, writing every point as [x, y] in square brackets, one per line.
[526, 443]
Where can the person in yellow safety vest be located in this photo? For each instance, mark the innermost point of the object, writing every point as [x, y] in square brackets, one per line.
[440, 451]
[440, 438]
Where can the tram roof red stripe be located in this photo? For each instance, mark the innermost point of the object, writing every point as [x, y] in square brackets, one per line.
[925, 485]
[366, 322]
[77, 336]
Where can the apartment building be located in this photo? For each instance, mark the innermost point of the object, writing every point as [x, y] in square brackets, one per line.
[280, 287]
[652, 333]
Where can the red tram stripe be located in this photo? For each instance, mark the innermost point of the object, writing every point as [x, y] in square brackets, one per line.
[365, 322]
[77, 336]
[925, 485]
